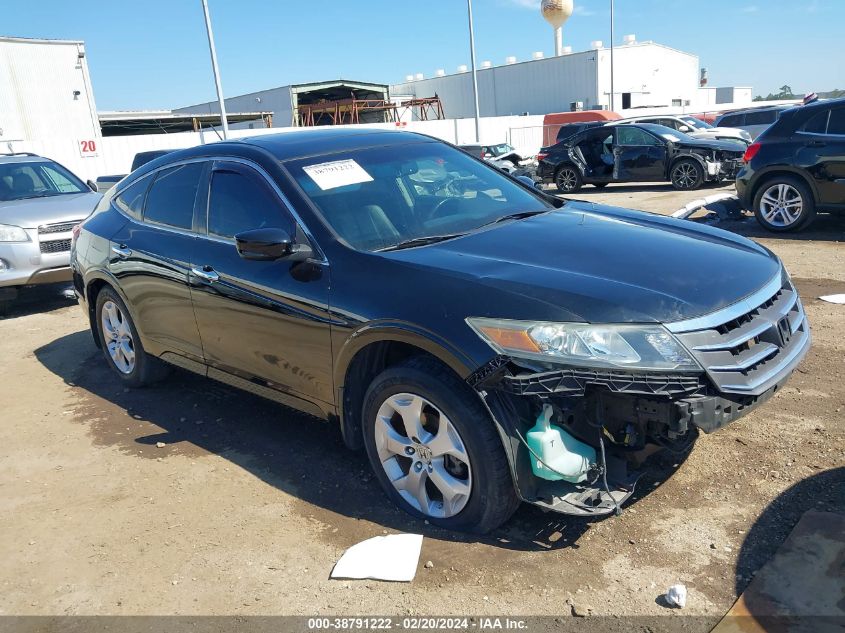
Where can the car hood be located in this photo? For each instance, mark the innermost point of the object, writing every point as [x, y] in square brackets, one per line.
[35, 212]
[712, 143]
[600, 264]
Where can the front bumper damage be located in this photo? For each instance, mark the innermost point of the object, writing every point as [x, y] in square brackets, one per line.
[637, 415]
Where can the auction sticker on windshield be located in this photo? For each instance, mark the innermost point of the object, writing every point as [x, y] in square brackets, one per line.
[339, 173]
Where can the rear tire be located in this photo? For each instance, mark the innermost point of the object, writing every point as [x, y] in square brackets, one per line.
[121, 345]
[687, 175]
[440, 459]
[783, 204]
[568, 179]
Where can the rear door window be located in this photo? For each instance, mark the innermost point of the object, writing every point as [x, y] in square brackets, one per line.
[170, 201]
[836, 125]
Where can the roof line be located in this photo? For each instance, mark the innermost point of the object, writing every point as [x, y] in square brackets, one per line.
[36, 40]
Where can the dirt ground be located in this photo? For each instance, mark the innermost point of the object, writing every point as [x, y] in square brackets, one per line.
[248, 506]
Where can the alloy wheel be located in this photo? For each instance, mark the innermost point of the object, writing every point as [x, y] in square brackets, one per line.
[567, 179]
[423, 455]
[118, 337]
[781, 205]
[685, 175]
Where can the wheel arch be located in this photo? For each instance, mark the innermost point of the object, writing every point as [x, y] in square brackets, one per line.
[371, 350]
[764, 176]
[95, 282]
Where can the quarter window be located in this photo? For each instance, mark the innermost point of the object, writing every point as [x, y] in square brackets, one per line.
[818, 123]
[837, 122]
[239, 203]
[131, 201]
[732, 120]
[170, 200]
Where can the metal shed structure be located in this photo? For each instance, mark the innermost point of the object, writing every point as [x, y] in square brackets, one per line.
[289, 104]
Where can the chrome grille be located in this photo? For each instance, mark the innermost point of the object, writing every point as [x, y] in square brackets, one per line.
[750, 351]
[55, 246]
[62, 227]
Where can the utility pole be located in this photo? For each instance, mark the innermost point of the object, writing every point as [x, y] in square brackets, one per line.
[474, 74]
[216, 70]
[612, 38]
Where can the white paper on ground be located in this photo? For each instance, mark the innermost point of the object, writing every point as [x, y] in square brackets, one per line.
[677, 596]
[392, 557]
[338, 173]
[840, 299]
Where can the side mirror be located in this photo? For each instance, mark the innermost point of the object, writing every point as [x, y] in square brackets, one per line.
[684, 128]
[92, 185]
[488, 155]
[270, 244]
[264, 244]
[528, 182]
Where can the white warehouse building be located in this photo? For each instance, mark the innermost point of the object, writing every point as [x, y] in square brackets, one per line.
[45, 91]
[646, 74]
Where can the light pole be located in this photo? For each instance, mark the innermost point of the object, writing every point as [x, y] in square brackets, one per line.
[612, 36]
[216, 70]
[474, 74]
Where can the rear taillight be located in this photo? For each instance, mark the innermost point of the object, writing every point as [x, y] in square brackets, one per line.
[751, 152]
[541, 156]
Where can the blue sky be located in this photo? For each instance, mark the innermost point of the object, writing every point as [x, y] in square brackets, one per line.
[153, 54]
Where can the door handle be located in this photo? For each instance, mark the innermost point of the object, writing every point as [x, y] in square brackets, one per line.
[206, 273]
[121, 251]
[817, 144]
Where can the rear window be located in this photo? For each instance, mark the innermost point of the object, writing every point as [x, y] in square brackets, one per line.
[836, 125]
[170, 200]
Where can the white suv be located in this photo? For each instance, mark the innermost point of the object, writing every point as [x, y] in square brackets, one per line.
[691, 126]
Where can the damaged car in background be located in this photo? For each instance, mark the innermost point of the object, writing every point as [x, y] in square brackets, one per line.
[641, 152]
[486, 344]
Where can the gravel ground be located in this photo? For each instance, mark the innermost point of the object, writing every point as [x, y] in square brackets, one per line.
[247, 506]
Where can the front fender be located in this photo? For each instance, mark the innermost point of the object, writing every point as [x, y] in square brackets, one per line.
[400, 332]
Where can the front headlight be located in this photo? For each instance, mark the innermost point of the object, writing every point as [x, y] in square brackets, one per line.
[9, 233]
[639, 347]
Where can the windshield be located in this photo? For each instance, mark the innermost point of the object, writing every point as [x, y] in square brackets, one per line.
[698, 124]
[380, 197]
[20, 181]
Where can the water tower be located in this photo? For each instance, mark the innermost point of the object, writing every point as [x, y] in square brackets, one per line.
[556, 12]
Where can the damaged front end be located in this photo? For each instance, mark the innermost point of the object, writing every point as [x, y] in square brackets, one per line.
[719, 164]
[714, 369]
[625, 416]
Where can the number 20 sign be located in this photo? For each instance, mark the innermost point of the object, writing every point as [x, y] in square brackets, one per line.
[87, 148]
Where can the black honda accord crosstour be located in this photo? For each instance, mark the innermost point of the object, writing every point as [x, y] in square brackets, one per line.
[485, 343]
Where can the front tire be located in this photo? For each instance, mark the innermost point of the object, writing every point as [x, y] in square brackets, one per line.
[435, 450]
[121, 345]
[784, 204]
[687, 175]
[568, 179]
